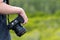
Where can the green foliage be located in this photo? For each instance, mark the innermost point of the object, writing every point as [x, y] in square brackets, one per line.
[44, 19]
[57, 13]
[37, 5]
[38, 14]
[33, 35]
[45, 27]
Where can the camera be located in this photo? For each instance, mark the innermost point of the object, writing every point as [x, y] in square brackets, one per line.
[16, 26]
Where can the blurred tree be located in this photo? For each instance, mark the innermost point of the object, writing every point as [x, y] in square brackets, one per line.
[37, 5]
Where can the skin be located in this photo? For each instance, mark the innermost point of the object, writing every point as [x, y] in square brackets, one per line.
[8, 9]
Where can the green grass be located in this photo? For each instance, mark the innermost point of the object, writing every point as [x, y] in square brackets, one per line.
[40, 28]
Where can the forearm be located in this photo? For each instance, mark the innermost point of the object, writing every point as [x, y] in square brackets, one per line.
[7, 9]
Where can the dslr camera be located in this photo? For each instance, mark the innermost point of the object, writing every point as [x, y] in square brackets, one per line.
[16, 26]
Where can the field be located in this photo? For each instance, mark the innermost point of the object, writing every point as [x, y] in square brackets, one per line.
[45, 27]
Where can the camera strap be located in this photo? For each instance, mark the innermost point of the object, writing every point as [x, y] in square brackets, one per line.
[7, 2]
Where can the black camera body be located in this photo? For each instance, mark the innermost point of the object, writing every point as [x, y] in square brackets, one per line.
[16, 26]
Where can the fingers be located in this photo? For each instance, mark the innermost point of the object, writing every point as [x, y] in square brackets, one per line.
[25, 20]
[24, 16]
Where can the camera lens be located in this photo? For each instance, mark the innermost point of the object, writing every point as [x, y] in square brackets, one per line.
[19, 30]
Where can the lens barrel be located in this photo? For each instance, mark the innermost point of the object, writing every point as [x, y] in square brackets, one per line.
[19, 30]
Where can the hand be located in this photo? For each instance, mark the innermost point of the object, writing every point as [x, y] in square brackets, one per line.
[25, 20]
[22, 13]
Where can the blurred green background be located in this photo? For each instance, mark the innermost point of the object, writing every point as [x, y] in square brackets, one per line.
[44, 19]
